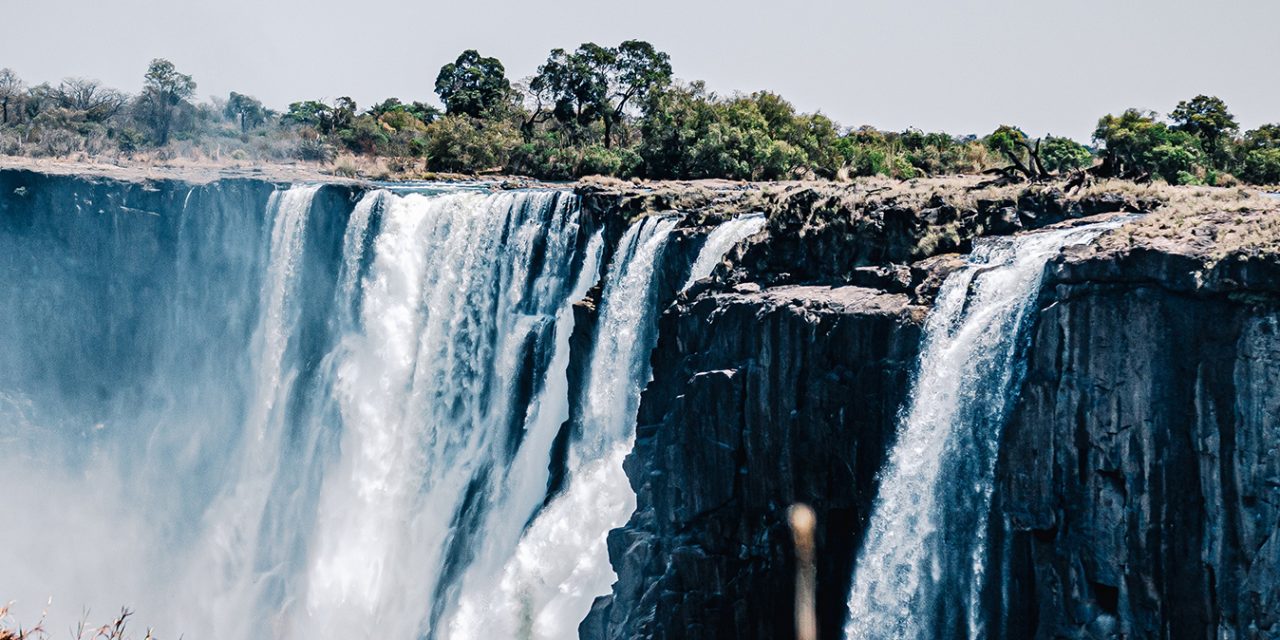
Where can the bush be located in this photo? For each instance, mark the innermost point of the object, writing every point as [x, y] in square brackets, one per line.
[1262, 166]
[1064, 154]
[462, 143]
[316, 150]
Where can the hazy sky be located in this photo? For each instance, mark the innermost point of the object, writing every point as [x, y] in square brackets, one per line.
[963, 66]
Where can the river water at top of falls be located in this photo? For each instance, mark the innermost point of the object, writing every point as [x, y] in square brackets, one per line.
[248, 434]
[920, 572]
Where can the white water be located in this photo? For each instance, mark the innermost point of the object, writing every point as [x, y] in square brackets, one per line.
[561, 563]
[425, 394]
[720, 241]
[339, 433]
[921, 569]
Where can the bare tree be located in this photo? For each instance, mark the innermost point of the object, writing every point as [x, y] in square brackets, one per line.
[12, 91]
[97, 103]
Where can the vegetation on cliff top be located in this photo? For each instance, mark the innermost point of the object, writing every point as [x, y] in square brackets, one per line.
[602, 110]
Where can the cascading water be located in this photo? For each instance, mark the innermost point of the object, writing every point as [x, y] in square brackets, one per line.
[561, 564]
[303, 421]
[921, 569]
[720, 241]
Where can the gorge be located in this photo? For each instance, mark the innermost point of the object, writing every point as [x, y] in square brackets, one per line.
[251, 408]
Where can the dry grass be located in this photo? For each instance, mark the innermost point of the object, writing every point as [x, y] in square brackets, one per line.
[115, 629]
[1212, 224]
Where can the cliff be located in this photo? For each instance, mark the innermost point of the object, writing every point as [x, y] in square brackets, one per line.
[1139, 490]
[1137, 484]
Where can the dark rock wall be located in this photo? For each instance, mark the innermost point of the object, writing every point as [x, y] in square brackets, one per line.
[759, 400]
[1140, 476]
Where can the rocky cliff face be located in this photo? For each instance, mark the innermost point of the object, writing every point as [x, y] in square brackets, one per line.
[759, 399]
[1137, 489]
[123, 242]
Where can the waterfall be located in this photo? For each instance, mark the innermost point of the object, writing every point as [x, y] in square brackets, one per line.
[561, 564]
[321, 420]
[463, 307]
[721, 239]
[921, 569]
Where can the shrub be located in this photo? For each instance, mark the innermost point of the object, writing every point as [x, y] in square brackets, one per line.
[1262, 166]
[316, 150]
[460, 143]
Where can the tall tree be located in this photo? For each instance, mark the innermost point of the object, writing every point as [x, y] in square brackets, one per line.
[596, 83]
[473, 85]
[637, 70]
[164, 92]
[246, 110]
[12, 90]
[1206, 118]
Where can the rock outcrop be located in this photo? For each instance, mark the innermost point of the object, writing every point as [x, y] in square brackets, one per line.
[1139, 492]
[759, 399]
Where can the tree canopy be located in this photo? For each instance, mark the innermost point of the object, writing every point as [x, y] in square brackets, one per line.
[473, 85]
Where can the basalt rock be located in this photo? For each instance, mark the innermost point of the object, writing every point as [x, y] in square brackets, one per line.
[759, 399]
[1139, 485]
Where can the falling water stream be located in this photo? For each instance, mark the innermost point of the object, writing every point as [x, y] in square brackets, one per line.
[921, 569]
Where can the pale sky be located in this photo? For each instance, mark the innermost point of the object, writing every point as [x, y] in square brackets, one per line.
[963, 66]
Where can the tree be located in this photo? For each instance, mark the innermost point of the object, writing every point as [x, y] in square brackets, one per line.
[164, 92]
[343, 113]
[1261, 148]
[599, 84]
[1064, 154]
[575, 85]
[1014, 145]
[246, 110]
[1137, 146]
[316, 114]
[90, 98]
[637, 70]
[12, 91]
[1262, 166]
[464, 143]
[1206, 118]
[473, 85]
[1265, 137]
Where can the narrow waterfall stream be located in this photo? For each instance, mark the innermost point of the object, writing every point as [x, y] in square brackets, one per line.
[921, 570]
[327, 427]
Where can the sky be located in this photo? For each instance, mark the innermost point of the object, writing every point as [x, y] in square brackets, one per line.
[962, 66]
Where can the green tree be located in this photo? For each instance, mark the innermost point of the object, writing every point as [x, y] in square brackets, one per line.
[1207, 118]
[575, 85]
[317, 115]
[343, 113]
[473, 85]
[1137, 146]
[1265, 137]
[1013, 144]
[1261, 148]
[1262, 166]
[599, 84]
[245, 110]
[164, 92]
[637, 69]
[464, 143]
[1064, 154]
